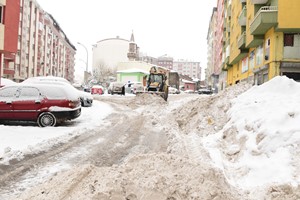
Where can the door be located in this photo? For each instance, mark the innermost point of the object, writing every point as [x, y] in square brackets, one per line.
[7, 96]
[27, 103]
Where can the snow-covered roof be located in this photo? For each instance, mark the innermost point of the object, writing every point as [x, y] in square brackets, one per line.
[133, 70]
[186, 81]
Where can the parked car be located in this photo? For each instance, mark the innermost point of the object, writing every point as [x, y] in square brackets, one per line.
[189, 91]
[85, 98]
[46, 104]
[134, 87]
[115, 88]
[97, 89]
[205, 91]
[173, 90]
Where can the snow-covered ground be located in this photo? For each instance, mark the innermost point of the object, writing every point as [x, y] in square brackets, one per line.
[16, 141]
[251, 136]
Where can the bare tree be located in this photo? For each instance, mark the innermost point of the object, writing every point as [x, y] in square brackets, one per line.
[103, 73]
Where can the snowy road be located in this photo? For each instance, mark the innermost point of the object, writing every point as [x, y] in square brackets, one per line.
[191, 147]
[121, 134]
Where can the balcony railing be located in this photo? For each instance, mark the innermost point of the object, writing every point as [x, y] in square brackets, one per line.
[259, 1]
[242, 40]
[264, 19]
[242, 17]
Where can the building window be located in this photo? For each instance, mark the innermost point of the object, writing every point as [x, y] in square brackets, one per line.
[1, 14]
[288, 40]
[267, 49]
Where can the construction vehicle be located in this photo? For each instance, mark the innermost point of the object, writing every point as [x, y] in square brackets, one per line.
[157, 83]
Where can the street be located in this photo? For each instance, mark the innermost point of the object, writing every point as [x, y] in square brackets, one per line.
[147, 149]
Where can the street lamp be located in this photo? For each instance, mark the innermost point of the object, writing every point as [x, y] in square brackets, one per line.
[87, 56]
[85, 75]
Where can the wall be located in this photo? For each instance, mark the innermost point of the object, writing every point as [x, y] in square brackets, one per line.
[110, 52]
[288, 14]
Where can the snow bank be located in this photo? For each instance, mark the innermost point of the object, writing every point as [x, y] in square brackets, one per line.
[259, 146]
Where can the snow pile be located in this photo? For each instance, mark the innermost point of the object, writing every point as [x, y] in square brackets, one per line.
[148, 99]
[207, 114]
[260, 144]
[147, 177]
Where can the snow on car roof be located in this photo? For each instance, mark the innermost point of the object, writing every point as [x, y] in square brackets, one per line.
[97, 86]
[46, 78]
[5, 81]
[55, 91]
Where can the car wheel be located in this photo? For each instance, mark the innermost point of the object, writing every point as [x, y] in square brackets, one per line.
[46, 119]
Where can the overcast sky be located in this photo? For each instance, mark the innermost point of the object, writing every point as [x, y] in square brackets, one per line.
[174, 27]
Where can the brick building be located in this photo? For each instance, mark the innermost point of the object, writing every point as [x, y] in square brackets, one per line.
[35, 45]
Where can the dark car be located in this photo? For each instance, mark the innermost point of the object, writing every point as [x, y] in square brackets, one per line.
[86, 98]
[115, 88]
[205, 91]
[42, 103]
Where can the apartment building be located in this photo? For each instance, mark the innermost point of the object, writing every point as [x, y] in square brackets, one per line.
[9, 24]
[211, 72]
[189, 68]
[165, 61]
[41, 47]
[264, 40]
[148, 59]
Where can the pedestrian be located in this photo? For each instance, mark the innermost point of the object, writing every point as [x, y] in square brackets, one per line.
[123, 90]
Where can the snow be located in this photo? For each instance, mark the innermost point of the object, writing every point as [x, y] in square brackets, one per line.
[5, 81]
[16, 141]
[268, 134]
[134, 70]
[256, 145]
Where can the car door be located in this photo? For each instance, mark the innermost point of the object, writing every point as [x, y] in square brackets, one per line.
[7, 95]
[27, 103]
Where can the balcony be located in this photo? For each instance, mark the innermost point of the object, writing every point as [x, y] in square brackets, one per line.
[264, 19]
[228, 26]
[242, 41]
[259, 1]
[255, 41]
[242, 17]
[229, 11]
[224, 37]
[237, 57]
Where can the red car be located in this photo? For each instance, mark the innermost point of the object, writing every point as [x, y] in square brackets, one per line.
[45, 104]
[97, 89]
